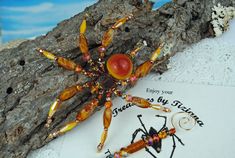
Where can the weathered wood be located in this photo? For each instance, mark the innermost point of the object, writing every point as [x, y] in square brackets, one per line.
[29, 83]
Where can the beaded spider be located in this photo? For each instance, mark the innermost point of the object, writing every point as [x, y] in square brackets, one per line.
[106, 77]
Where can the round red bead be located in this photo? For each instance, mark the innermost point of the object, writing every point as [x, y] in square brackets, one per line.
[120, 66]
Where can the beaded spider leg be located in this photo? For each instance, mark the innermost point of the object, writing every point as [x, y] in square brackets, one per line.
[85, 112]
[107, 118]
[68, 92]
[82, 115]
[66, 63]
[108, 35]
[141, 71]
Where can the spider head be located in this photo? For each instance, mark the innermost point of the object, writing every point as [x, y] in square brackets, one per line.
[119, 66]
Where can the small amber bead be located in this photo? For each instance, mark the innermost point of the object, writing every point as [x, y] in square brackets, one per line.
[108, 37]
[65, 63]
[78, 68]
[128, 98]
[79, 88]
[172, 131]
[108, 104]
[68, 93]
[83, 45]
[162, 134]
[94, 89]
[143, 69]
[100, 96]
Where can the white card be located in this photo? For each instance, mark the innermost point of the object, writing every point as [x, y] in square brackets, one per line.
[212, 136]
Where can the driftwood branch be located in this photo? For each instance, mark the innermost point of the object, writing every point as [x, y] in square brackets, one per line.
[30, 83]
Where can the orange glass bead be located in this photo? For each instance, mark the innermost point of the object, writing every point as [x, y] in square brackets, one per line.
[79, 88]
[83, 45]
[94, 88]
[141, 102]
[119, 23]
[143, 69]
[78, 68]
[162, 134]
[122, 21]
[108, 104]
[120, 66]
[172, 131]
[68, 93]
[65, 63]
[133, 79]
[108, 37]
[87, 110]
[107, 117]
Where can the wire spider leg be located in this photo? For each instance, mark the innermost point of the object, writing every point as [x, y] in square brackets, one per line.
[164, 125]
[142, 124]
[110, 155]
[82, 115]
[135, 134]
[143, 137]
[147, 149]
[174, 146]
[178, 139]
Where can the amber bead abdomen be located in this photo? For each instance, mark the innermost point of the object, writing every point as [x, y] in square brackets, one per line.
[119, 66]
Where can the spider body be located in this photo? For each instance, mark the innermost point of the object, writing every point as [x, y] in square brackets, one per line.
[105, 79]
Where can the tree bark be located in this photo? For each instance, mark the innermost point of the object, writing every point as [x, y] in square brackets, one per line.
[30, 83]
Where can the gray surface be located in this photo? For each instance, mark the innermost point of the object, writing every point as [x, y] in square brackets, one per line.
[38, 82]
